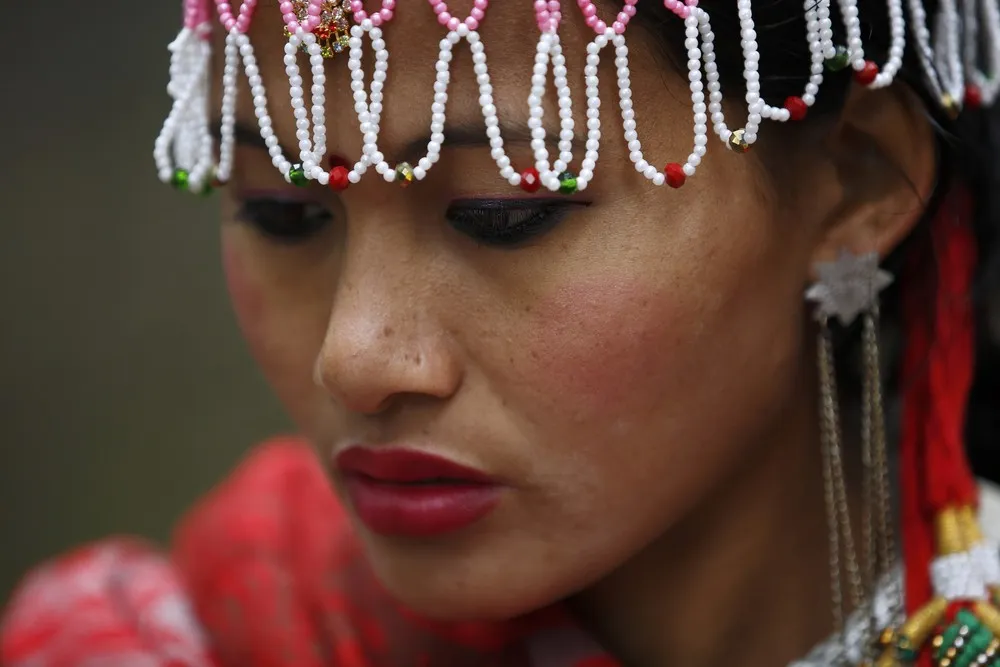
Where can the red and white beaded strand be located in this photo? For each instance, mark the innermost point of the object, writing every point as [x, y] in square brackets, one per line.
[184, 149]
[819, 37]
[981, 20]
[867, 72]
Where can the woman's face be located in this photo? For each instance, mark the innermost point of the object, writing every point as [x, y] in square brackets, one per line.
[609, 359]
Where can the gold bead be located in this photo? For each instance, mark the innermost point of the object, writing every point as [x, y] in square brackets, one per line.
[948, 533]
[989, 615]
[887, 638]
[969, 524]
[919, 626]
[938, 641]
[404, 174]
[887, 659]
[737, 143]
[951, 106]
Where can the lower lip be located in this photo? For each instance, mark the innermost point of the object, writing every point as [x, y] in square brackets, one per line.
[411, 510]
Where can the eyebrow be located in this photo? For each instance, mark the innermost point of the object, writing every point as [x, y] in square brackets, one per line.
[465, 135]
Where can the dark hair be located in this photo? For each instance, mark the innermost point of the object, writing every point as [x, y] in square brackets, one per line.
[967, 150]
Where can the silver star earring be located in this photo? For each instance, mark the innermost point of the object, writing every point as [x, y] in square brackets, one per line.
[847, 288]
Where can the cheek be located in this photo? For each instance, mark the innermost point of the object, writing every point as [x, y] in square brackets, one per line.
[598, 342]
[246, 295]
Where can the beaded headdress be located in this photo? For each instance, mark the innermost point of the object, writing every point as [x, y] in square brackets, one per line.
[952, 577]
[960, 59]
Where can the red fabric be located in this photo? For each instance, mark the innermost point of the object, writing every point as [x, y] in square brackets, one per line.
[116, 604]
[936, 379]
[269, 570]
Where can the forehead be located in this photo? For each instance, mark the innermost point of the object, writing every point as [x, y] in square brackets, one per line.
[413, 38]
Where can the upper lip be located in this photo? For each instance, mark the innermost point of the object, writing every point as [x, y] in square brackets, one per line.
[400, 466]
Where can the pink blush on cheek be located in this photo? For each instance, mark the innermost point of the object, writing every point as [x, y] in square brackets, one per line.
[601, 342]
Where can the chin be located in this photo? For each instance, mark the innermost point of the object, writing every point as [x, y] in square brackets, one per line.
[457, 588]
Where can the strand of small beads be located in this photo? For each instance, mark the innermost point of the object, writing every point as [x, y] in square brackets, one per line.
[183, 150]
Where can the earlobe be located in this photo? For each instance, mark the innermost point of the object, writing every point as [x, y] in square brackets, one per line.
[884, 153]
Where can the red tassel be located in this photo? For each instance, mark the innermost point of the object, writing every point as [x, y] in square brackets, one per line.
[936, 378]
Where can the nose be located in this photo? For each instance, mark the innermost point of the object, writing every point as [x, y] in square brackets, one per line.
[383, 342]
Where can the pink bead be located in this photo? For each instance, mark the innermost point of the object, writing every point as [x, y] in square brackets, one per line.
[472, 21]
[589, 11]
[360, 15]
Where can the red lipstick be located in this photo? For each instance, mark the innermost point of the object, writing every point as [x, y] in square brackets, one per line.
[406, 493]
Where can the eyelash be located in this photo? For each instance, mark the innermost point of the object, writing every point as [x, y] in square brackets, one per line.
[494, 222]
[507, 222]
[286, 221]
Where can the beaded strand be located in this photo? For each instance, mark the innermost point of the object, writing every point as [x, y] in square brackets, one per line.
[950, 56]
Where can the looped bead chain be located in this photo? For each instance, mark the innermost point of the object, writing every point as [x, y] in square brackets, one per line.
[960, 59]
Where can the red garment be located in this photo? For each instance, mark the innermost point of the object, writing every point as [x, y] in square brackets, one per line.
[265, 572]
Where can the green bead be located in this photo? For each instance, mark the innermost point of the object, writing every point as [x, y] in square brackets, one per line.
[906, 650]
[966, 617]
[839, 61]
[567, 183]
[297, 176]
[982, 639]
[181, 179]
[948, 638]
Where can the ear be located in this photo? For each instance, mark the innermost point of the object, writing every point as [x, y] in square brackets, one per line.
[883, 152]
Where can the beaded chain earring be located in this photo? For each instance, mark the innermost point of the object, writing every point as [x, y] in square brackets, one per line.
[846, 289]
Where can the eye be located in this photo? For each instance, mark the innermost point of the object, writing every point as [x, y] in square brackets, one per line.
[508, 222]
[284, 220]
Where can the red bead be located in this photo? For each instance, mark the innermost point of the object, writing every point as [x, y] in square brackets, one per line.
[866, 75]
[530, 180]
[675, 175]
[973, 97]
[338, 179]
[796, 108]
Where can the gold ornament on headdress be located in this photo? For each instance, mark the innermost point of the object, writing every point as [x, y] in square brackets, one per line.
[333, 32]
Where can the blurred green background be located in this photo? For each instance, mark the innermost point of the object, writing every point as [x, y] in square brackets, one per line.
[126, 390]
